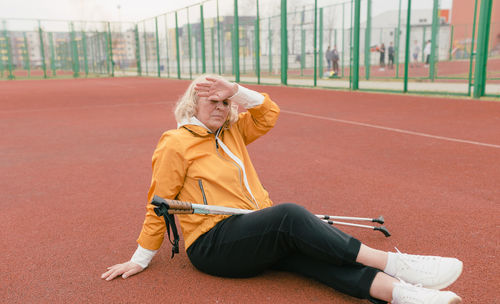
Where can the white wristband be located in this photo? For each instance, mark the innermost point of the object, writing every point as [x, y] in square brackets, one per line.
[247, 98]
[143, 256]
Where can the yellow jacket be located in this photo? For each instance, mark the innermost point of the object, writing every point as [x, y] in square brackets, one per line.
[189, 165]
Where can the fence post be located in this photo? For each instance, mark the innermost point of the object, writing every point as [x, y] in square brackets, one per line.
[423, 44]
[146, 57]
[284, 44]
[9, 55]
[407, 45]
[85, 59]
[223, 50]
[434, 44]
[368, 37]
[52, 55]
[158, 68]
[138, 50]
[202, 34]
[257, 43]
[482, 48]
[212, 39]
[42, 50]
[189, 45]
[93, 56]
[26, 56]
[196, 54]
[398, 42]
[218, 38]
[2, 67]
[315, 42]
[99, 49]
[472, 54]
[177, 46]
[110, 49]
[74, 49]
[355, 41]
[321, 54]
[351, 49]
[166, 46]
[343, 40]
[451, 42]
[236, 39]
[302, 43]
[335, 38]
[106, 51]
[269, 46]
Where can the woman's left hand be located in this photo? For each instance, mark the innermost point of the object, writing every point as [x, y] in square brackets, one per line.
[216, 89]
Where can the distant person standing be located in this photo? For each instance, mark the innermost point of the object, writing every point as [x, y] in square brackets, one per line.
[427, 53]
[416, 52]
[335, 60]
[297, 58]
[382, 56]
[390, 53]
[328, 57]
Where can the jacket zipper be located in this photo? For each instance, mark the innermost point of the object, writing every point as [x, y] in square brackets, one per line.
[200, 183]
[239, 175]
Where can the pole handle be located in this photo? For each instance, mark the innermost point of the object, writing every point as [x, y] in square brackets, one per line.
[379, 220]
[383, 230]
[172, 204]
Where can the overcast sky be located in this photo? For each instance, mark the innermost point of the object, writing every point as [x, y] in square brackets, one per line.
[130, 10]
[135, 10]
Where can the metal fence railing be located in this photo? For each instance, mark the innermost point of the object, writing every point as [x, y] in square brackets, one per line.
[389, 45]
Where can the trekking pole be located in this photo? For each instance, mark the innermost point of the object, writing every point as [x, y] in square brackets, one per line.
[167, 206]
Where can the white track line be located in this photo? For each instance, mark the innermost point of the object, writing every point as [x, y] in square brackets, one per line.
[282, 111]
[392, 129]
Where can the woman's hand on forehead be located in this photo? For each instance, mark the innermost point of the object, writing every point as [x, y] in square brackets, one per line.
[216, 89]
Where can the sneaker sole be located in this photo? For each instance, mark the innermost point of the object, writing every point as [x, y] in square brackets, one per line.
[449, 282]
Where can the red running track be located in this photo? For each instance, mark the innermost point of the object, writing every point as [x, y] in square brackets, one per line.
[75, 159]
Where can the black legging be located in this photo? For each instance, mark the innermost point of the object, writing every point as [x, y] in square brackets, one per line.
[283, 237]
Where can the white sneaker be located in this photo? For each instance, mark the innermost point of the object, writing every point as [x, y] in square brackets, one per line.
[430, 271]
[404, 293]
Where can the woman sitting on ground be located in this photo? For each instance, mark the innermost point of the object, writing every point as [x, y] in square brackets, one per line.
[205, 161]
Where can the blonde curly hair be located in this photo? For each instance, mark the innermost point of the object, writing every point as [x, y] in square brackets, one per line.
[187, 105]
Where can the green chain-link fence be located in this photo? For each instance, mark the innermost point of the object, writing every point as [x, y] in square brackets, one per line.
[356, 44]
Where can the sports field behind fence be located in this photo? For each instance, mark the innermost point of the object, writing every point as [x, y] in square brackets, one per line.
[276, 42]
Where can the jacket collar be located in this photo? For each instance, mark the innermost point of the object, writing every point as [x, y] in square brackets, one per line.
[192, 121]
[194, 125]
